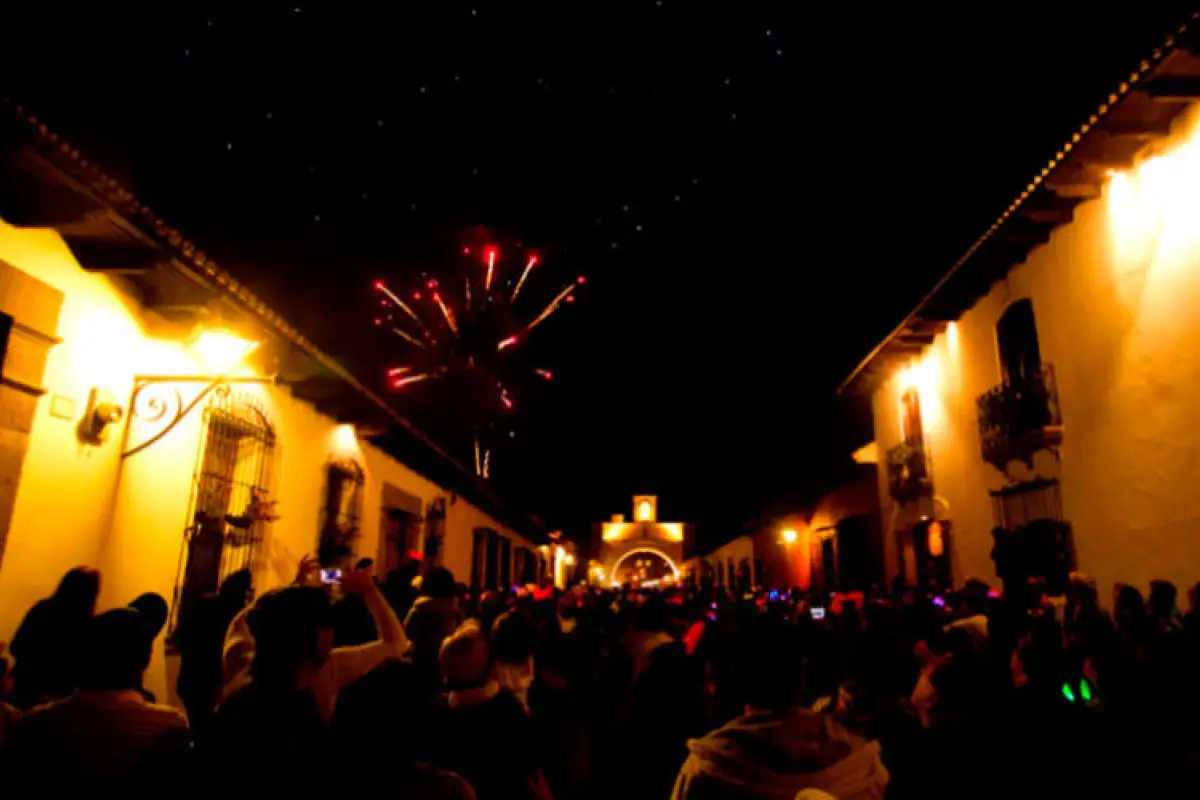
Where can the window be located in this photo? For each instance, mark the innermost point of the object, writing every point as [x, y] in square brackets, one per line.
[1016, 506]
[230, 503]
[435, 531]
[854, 553]
[505, 563]
[478, 542]
[492, 560]
[829, 577]
[1031, 537]
[525, 566]
[932, 545]
[1017, 341]
[400, 527]
[339, 515]
[910, 418]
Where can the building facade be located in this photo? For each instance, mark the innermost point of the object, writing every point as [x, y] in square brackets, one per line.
[160, 423]
[834, 542]
[1040, 410]
[642, 552]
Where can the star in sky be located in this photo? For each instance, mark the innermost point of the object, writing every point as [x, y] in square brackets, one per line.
[433, 115]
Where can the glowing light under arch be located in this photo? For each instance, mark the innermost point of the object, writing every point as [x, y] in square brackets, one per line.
[612, 578]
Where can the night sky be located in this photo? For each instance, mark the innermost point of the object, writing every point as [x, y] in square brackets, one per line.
[756, 192]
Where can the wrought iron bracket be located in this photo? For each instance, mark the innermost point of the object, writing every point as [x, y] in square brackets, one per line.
[152, 408]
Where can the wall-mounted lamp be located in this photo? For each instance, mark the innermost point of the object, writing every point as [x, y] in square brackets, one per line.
[222, 352]
[102, 411]
[790, 535]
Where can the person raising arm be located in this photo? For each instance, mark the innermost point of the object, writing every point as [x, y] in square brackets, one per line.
[345, 663]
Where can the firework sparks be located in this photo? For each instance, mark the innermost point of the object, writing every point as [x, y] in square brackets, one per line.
[446, 312]
[533, 260]
[408, 337]
[479, 343]
[400, 383]
[400, 304]
[551, 308]
[491, 262]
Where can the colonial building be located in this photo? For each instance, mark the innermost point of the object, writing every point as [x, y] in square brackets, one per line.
[160, 422]
[833, 542]
[641, 552]
[1040, 409]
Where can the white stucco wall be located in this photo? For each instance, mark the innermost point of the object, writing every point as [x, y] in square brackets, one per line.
[81, 504]
[1115, 294]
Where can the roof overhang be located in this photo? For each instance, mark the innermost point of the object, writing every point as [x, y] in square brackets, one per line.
[1135, 116]
[47, 183]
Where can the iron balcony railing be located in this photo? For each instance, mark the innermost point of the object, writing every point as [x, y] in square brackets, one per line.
[909, 475]
[1019, 418]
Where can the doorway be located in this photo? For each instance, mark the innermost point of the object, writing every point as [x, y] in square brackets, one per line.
[931, 550]
[854, 553]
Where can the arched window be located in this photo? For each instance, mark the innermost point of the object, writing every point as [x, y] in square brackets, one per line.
[230, 504]
[912, 432]
[1017, 341]
[340, 514]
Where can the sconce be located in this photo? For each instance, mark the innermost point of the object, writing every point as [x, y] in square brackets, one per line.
[102, 411]
[221, 351]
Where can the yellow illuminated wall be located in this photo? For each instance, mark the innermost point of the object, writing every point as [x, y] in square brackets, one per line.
[616, 531]
[80, 504]
[1115, 294]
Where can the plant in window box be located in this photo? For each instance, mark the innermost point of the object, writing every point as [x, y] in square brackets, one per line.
[259, 509]
[907, 473]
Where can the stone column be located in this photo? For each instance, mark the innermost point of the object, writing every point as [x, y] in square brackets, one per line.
[29, 312]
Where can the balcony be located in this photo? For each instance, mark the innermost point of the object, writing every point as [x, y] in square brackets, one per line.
[908, 471]
[1018, 419]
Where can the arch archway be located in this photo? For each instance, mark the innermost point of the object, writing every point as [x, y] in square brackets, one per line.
[654, 551]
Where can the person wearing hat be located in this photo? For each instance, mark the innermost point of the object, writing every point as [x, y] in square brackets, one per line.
[487, 736]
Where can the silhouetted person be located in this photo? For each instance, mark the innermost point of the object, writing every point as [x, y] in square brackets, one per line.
[47, 643]
[270, 731]
[384, 718]
[154, 611]
[434, 616]
[200, 637]
[778, 747]
[665, 706]
[105, 735]
[486, 734]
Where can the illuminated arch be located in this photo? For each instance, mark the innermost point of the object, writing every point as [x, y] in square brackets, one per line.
[653, 551]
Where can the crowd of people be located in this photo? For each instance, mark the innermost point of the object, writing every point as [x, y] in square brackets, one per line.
[688, 693]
